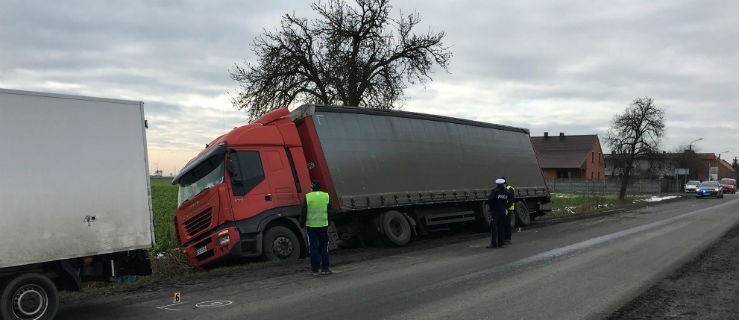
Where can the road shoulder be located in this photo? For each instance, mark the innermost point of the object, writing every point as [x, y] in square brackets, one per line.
[705, 288]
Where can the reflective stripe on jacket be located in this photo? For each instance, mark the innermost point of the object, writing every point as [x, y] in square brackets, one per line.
[513, 197]
[317, 211]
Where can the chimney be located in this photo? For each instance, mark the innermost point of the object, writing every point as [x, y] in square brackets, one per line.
[546, 135]
[561, 135]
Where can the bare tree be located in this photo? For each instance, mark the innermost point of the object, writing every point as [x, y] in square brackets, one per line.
[349, 55]
[634, 135]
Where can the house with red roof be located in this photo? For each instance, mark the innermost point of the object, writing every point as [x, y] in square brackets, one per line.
[570, 157]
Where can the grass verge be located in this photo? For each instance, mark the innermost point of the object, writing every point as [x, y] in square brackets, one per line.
[571, 204]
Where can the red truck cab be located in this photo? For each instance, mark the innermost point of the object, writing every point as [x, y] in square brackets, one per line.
[242, 195]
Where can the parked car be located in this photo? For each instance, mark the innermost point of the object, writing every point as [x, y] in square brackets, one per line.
[728, 184]
[691, 185]
[709, 189]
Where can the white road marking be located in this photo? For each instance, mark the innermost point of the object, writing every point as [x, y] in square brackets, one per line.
[213, 304]
[169, 305]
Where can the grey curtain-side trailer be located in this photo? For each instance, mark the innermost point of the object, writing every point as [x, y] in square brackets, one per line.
[391, 173]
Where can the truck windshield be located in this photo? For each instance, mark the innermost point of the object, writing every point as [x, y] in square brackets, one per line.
[206, 175]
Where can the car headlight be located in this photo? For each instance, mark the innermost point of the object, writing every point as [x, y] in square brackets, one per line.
[717, 189]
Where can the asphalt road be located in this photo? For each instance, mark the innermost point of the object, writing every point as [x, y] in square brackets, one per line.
[583, 269]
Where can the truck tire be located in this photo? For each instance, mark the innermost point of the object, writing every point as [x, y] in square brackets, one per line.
[396, 229]
[513, 219]
[522, 214]
[484, 216]
[280, 243]
[29, 296]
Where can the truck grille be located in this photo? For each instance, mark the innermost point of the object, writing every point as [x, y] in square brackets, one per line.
[198, 223]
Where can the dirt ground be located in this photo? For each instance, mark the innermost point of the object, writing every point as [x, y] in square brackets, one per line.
[256, 270]
[705, 288]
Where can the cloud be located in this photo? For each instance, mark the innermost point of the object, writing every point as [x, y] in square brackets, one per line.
[564, 66]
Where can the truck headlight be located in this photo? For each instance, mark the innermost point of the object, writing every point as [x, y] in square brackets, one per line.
[224, 240]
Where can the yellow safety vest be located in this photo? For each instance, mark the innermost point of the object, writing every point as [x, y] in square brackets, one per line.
[513, 192]
[317, 202]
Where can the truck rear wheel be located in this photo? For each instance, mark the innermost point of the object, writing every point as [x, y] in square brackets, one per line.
[396, 229]
[522, 213]
[513, 220]
[484, 216]
[280, 243]
[29, 296]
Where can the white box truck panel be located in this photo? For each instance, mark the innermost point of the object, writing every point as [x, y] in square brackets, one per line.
[73, 177]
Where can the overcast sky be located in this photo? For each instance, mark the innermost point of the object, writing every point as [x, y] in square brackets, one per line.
[555, 66]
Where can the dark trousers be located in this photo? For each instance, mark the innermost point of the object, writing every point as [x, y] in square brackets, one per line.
[497, 227]
[507, 225]
[318, 239]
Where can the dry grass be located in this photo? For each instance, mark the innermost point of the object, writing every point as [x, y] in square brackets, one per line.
[569, 204]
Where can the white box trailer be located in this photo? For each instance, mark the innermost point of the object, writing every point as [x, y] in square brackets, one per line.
[74, 187]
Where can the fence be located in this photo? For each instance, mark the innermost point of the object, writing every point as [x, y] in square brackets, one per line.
[612, 185]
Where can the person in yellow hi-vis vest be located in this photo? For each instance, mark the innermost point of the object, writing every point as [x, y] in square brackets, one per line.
[315, 214]
[510, 212]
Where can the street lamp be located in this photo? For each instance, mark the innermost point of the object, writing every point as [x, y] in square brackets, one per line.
[690, 145]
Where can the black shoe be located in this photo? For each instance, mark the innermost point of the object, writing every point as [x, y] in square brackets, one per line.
[491, 247]
[507, 242]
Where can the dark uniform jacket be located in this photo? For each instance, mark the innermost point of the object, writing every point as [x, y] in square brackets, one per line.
[499, 200]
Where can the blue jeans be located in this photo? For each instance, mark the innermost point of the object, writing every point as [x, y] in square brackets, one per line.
[318, 239]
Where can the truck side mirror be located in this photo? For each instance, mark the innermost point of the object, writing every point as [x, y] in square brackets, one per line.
[234, 170]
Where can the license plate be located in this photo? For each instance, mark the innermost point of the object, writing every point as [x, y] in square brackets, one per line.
[201, 250]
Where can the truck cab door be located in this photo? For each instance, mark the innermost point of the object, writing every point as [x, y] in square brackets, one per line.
[249, 189]
[260, 180]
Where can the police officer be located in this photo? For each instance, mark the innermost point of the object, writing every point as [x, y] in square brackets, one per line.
[315, 211]
[510, 212]
[498, 201]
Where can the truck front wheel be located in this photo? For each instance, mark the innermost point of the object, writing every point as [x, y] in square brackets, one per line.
[280, 243]
[29, 296]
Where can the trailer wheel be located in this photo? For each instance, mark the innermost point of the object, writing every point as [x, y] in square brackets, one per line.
[522, 213]
[484, 216]
[29, 296]
[513, 220]
[396, 229]
[281, 243]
